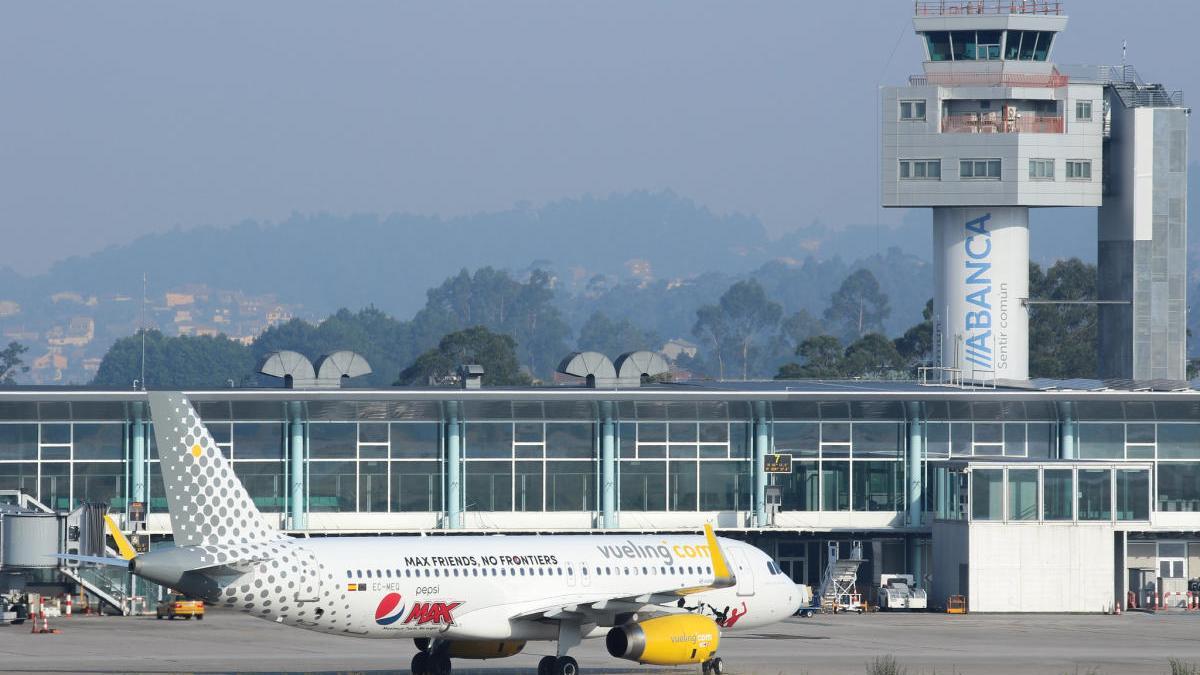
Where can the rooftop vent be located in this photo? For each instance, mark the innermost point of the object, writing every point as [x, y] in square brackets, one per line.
[471, 376]
[595, 368]
[598, 371]
[297, 371]
[633, 367]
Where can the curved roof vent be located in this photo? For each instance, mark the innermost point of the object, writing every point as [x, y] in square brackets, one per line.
[633, 366]
[331, 368]
[294, 367]
[595, 368]
[298, 372]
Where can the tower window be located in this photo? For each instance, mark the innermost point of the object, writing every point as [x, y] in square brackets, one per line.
[1079, 169]
[1041, 169]
[921, 169]
[912, 110]
[979, 168]
[1083, 111]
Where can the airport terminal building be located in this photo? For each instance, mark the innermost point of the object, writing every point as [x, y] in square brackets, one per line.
[1077, 492]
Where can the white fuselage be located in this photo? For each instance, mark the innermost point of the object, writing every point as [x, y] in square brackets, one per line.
[492, 587]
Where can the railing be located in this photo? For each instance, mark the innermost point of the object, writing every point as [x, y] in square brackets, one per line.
[999, 79]
[992, 123]
[953, 7]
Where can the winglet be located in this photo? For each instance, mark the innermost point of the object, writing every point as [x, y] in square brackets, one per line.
[723, 573]
[123, 546]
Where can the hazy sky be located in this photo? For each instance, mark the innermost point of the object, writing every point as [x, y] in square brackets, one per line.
[122, 118]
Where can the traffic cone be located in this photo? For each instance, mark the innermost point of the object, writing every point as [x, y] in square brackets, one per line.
[67, 607]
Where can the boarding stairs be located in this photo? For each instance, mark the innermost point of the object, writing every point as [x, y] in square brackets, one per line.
[838, 592]
[110, 586]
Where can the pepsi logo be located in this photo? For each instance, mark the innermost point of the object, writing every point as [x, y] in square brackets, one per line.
[390, 609]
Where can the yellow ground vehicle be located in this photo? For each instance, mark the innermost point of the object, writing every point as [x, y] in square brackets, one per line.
[177, 605]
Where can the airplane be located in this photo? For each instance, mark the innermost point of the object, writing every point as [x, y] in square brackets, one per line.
[655, 599]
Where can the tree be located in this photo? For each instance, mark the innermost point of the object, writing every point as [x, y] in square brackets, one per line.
[386, 343]
[476, 345]
[858, 306]
[11, 362]
[916, 345]
[872, 356]
[743, 314]
[1062, 338]
[822, 358]
[493, 299]
[711, 326]
[800, 326]
[614, 337]
[176, 362]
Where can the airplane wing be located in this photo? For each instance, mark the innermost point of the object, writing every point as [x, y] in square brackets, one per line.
[667, 600]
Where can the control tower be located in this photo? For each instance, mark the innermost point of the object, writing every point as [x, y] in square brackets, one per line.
[993, 128]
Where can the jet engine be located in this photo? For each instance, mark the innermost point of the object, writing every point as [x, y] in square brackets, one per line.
[670, 640]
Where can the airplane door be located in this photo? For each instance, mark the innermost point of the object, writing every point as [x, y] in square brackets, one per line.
[745, 575]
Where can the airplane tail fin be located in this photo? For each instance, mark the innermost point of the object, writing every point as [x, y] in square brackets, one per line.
[208, 503]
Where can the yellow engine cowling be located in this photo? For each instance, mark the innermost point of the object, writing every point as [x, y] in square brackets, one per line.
[484, 649]
[671, 640]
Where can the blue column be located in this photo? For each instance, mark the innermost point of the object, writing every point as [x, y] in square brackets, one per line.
[608, 466]
[914, 470]
[453, 468]
[296, 472]
[761, 443]
[1066, 430]
[137, 456]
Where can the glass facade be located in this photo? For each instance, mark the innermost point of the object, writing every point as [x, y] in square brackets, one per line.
[366, 456]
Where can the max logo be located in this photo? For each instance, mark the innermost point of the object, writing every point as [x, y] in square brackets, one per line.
[435, 613]
[390, 609]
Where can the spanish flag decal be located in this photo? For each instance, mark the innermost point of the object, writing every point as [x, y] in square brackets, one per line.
[354, 587]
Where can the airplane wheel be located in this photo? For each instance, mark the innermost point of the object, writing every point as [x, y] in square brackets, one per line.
[565, 665]
[546, 665]
[440, 665]
[420, 664]
[716, 666]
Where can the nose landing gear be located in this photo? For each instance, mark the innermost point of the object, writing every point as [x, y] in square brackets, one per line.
[713, 666]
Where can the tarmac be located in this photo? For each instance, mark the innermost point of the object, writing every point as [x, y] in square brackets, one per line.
[920, 643]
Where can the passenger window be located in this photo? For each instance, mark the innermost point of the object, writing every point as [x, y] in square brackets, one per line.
[407, 572]
[359, 573]
[389, 573]
[349, 574]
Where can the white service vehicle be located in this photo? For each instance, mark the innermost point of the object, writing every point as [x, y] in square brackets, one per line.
[661, 600]
[896, 591]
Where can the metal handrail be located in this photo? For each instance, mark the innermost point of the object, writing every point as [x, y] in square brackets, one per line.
[954, 7]
[986, 79]
[983, 124]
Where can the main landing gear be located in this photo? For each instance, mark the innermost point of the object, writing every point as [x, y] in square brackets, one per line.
[430, 662]
[713, 666]
[558, 665]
